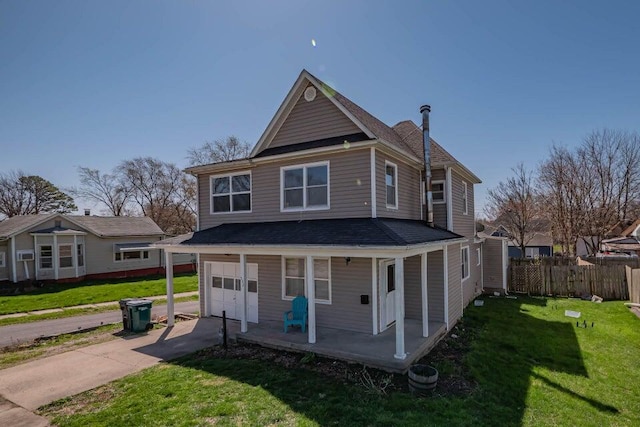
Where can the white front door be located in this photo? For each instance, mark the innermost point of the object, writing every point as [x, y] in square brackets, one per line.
[223, 281]
[387, 294]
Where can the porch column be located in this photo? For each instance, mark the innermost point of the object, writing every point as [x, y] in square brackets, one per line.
[399, 309]
[445, 269]
[14, 255]
[425, 295]
[374, 294]
[311, 299]
[243, 287]
[54, 254]
[36, 258]
[168, 258]
[74, 253]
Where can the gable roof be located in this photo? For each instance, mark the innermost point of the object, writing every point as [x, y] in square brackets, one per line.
[405, 136]
[101, 226]
[359, 232]
[630, 229]
[20, 223]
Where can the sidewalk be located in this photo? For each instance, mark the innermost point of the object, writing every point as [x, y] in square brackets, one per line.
[30, 385]
[100, 304]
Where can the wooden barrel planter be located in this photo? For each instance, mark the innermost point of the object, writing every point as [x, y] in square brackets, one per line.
[422, 378]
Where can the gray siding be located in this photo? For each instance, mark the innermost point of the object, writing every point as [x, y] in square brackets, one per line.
[310, 121]
[5, 273]
[439, 209]
[435, 287]
[455, 291]
[99, 255]
[492, 263]
[462, 224]
[348, 282]
[349, 188]
[409, 199]
[473, 285]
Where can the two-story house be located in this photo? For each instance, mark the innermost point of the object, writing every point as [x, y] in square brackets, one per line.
[331, 204]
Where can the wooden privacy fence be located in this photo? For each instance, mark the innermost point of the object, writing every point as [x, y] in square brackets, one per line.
[606, 281]
[633, 282]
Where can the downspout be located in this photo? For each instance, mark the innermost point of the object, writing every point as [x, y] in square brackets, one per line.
[426, 146]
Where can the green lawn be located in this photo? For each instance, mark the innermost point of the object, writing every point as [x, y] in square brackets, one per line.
[90, 292]
[526, 364]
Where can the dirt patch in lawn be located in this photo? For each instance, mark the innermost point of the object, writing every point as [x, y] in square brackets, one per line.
[448, 357]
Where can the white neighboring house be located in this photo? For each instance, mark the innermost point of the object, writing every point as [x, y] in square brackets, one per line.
[57, 247]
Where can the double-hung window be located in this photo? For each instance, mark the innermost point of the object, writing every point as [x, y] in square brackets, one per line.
[65, 256]
[294, 279]
[438, 192]
[80, 254]
[46, 256]
[464, 255]
[391, 183]
[305, 187]
[3, 262]
[231, 193]
[465, 199]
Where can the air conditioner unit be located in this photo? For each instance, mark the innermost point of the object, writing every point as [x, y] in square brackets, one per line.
[26, 256]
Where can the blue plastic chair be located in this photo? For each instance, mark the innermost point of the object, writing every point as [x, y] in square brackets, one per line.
[297, 315]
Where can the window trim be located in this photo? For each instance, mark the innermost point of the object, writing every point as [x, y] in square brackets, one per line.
[395, 178]
[53, 264]
[142, 257]
[70, 245]
[284, 278]
[231, 193]
[304, 206]
[3, 260]
[444, 192]
[462, 250]
[465, 198]
[479, 255]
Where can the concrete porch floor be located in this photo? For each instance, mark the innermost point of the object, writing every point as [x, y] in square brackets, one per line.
[376, 351]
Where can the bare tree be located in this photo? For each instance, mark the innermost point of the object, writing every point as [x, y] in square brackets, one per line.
[105, 189]
[220, 150]
[590, 190]
[162, 192]
[22, 194]
[515, 203]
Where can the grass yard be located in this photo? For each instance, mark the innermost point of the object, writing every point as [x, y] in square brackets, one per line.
[522, 361]
[91, 292]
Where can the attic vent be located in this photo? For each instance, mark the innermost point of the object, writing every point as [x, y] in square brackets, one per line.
[58, 223]
[310, 93]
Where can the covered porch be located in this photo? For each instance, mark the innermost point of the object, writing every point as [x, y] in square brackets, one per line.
[382, 302]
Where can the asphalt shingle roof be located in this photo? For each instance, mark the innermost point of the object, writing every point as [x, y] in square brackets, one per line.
[322, 232]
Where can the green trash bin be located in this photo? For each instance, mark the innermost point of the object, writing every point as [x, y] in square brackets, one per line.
[140, 314]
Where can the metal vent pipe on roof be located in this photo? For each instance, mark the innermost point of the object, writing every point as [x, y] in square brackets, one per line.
[426, 146]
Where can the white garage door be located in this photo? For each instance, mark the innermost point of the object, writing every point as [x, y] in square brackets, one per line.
[225, 292]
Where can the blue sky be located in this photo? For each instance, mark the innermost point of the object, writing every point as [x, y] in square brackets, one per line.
[93, 83]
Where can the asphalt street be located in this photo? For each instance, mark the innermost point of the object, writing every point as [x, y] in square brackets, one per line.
[26, 332]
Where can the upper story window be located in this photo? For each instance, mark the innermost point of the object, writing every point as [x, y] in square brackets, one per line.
[438, 192]
[464, 255]
[391, 181]
[231, 193]
[465, 199]
[305, 187]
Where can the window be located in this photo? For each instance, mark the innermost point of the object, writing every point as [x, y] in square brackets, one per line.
[464, 255]
[391, 181]
[131, 255]
[294, 280]
[46, 257]
[231, 193]
[305, 187]
[479, 255]
[438, 192]
[80, 254]
[2, 260]
[65, 256]
[465, 199]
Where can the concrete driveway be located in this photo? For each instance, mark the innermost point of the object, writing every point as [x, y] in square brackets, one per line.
[33, 384]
